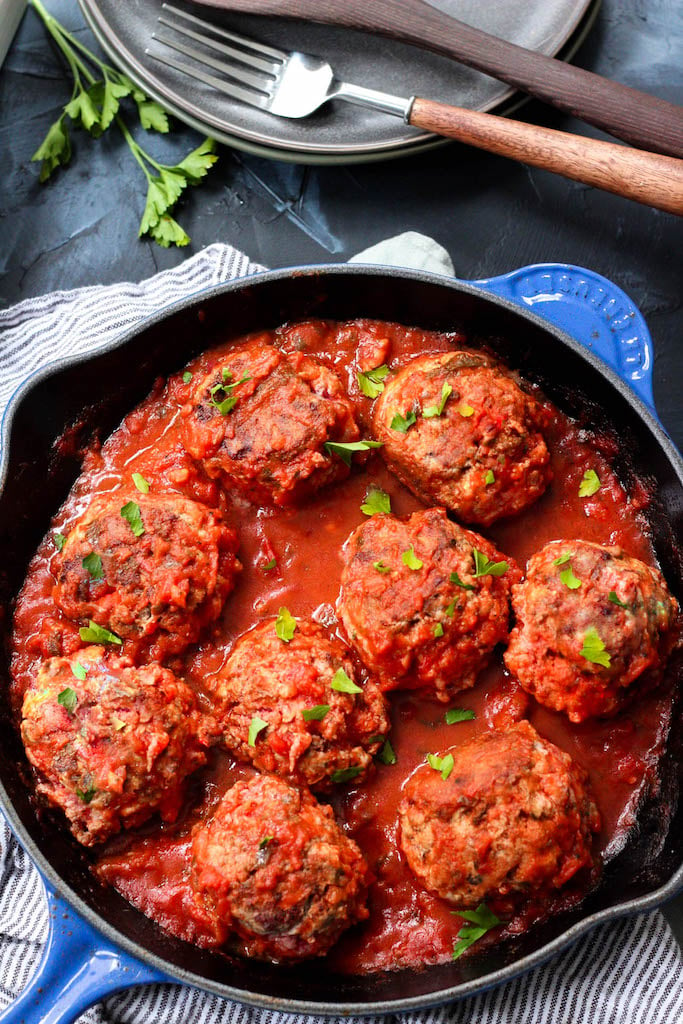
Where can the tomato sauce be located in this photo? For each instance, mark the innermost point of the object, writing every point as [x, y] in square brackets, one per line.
[407, 927]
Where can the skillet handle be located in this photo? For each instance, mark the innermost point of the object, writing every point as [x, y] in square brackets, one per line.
[591, 309]
[79, 968]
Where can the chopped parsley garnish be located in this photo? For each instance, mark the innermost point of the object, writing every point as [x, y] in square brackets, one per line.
[489, 478]
[594, 649]
[381, 567]
[437, 410]
[265, 842]
[68, 698]
[343, 684]
[269, 565]
[94, 634]
[482, 566]
[403, 423]
[565, 557]
[187, 377]
[371, 383]
[285, 625]
[92, 563]
[60, 540]
[465, 410]
[78, 671]
[482, 920]
[229, 401]
[569, 579]
[454, 715]
[131, 513]
[450, 609]
[612, 597]
[315, 714]
[438, 630]
[454, 578]
[140, 482]
[387, 754]
[590, 483]
[256, 726]
[410, 559]
[86, 795]
[345, 449]
[346, 774]
[441, 764]
[376, 501]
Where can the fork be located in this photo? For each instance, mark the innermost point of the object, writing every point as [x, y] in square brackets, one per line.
[294, 85]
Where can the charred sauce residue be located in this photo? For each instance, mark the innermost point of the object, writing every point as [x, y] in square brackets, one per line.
[408, 927]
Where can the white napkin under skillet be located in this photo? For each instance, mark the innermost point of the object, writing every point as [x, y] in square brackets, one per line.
[626, 972]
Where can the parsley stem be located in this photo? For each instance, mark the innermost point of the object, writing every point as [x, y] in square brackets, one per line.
[135, 149]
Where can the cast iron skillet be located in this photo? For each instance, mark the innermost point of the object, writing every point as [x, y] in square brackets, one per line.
[90, 395]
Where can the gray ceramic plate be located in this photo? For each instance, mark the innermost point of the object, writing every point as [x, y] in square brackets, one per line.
[339, 130]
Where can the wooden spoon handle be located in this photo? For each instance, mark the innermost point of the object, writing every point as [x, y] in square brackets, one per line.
[646, 177]
[634, 116]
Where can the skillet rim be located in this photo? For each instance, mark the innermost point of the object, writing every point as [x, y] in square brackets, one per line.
[647, 417]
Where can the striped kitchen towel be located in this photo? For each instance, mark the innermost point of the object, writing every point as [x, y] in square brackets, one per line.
[626, 972]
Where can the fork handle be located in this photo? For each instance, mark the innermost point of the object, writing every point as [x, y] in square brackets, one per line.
[647, 178]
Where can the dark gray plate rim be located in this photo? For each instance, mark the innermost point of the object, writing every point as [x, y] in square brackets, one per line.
[638, 905]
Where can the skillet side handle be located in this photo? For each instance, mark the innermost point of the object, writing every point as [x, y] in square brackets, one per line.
[78, 969]
[592, 310]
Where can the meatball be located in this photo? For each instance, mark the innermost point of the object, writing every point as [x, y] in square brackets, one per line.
[167, 574]
[112, 744]
[476, 448]
[424, 601]
[316, 734]
[590, 621]
[273, 865]
[513, 817]
[259, 421]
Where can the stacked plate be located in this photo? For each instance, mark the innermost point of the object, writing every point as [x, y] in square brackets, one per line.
[339, 132]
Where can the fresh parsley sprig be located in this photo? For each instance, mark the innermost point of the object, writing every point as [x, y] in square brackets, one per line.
[94, 106]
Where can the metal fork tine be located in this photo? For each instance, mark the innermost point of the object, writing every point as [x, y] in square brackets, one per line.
[270, 66]
[251, 44]
[261, 83]
[254, 99]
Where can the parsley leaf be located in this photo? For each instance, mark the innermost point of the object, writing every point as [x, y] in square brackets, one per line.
[565, 557]
[187, 377]
[229, 401]
[450, 609]
[381, 567]
[569, 579]
[269, 565]
[265, 842]
[55, 149]
[371, 383]
[489, 478]
[437, 410]
[285, 625]
[140, 483]
[87, 795]
[441, 764]
[590, 484]
[454, 715]
[78, 671]
[482, 920]
[345, 449]
[343, 684]
[594, 649]
[59, 539]
[131, 513]
[410, 559]
[68, 698]
[256, 726]
[376, 501]
[437, 630]
[387, 754]
[92, 563]
[315, 714]
[613, 598]
[403, 423]
[482, 566]
[346, 774]
[94, 634]
[152, 115]
[454, 578]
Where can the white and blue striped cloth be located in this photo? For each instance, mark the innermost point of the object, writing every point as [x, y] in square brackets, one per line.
[627, 972]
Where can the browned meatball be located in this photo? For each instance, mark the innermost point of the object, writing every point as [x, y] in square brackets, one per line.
[316, 733]
[259, 420]
[112, 748]
[514, 816]
[165, 577]
[415, 606]
[478, 448]
[274, 866]
[590, 621]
